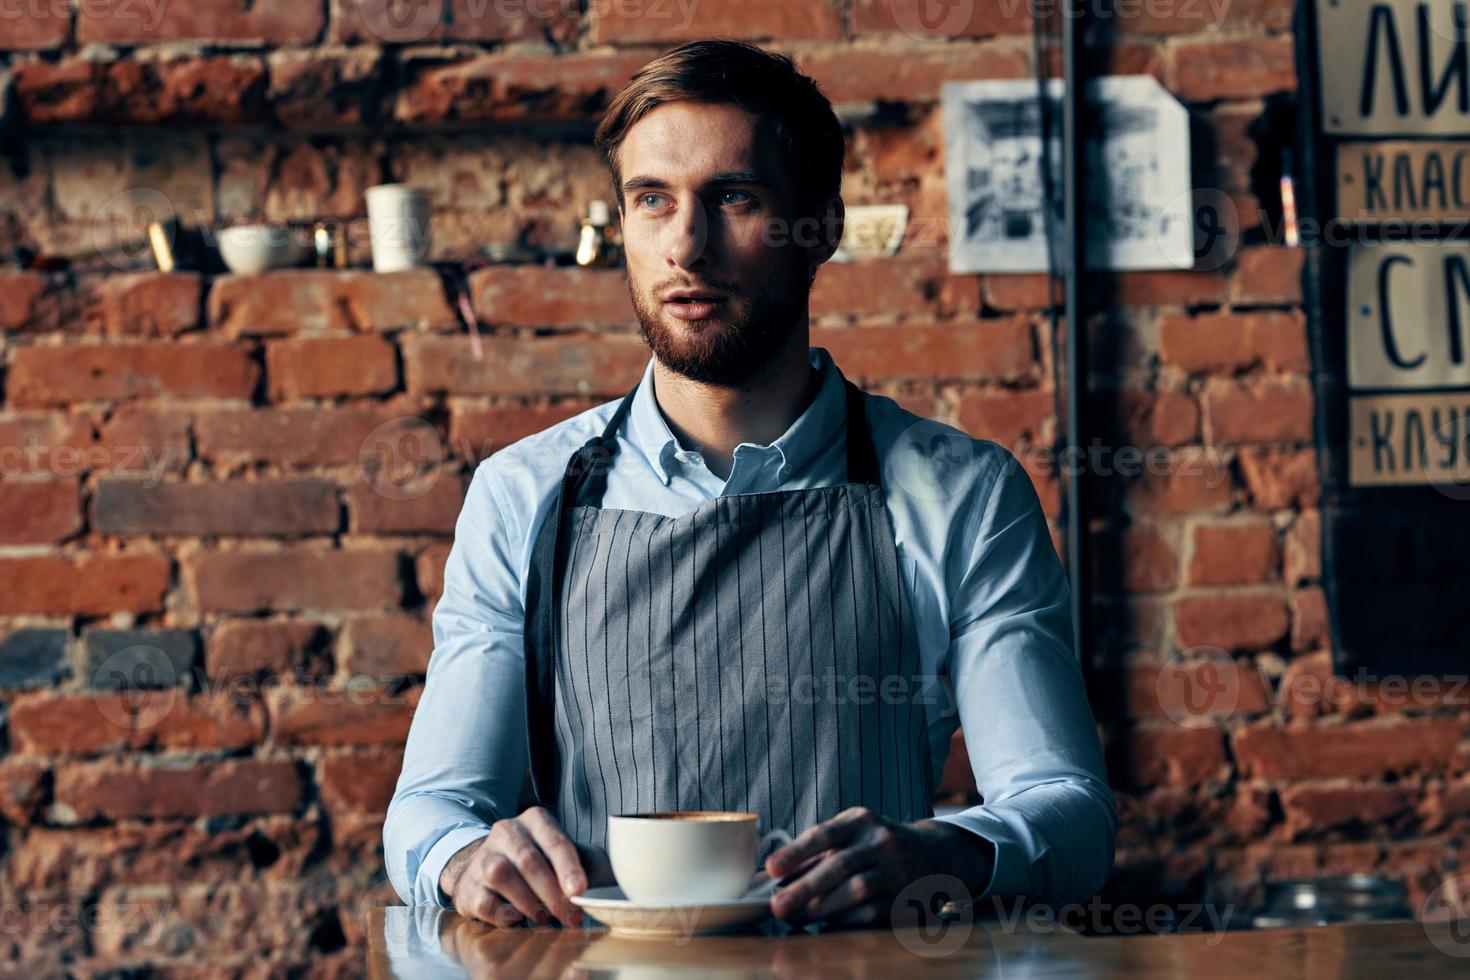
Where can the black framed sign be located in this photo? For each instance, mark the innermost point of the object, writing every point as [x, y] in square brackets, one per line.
[1402, 180]
[1385, 206]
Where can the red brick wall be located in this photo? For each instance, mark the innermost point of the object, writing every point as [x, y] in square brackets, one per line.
[259, 480]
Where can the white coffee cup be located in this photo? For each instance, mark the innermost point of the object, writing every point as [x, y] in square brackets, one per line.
[398, 222]
[686, 858]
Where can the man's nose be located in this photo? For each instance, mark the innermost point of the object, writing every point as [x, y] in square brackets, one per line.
[687, 244]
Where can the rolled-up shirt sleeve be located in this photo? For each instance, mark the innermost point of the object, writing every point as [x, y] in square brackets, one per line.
[1022, 704]
[466, 752]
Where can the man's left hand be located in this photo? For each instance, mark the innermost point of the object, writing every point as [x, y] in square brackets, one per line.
[857, 863]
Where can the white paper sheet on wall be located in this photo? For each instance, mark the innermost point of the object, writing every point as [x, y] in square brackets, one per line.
[1140, 212]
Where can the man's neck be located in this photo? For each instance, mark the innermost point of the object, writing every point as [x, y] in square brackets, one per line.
[713, 420]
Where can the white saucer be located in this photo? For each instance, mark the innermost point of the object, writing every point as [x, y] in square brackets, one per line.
[625, 918]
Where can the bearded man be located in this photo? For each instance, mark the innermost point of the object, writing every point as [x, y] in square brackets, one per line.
[748, 585]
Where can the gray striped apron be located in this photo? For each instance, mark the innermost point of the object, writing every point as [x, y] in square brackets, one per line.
[755, 654]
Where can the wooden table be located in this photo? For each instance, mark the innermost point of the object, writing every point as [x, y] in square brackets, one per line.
[406, 942]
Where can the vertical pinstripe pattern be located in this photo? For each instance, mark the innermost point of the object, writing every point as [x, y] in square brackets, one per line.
[756, 653]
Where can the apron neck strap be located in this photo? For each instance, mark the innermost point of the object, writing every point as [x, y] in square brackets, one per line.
[586, 476]
[590, 464]
[610, 432]
[862, 456]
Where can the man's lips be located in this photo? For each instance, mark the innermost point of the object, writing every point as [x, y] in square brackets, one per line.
[693, 310]
[693, 306]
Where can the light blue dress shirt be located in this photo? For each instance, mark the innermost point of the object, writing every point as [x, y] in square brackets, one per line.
[989, 598]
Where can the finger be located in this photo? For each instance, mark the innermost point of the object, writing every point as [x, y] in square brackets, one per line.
[501, 876]
[806, 866]
[567, 871]
[475, 901]
[827, 835]
[558, 848]
[841, 903]
[801, 897]
[528, 858]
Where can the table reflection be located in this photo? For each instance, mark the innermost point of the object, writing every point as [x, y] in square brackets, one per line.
[429, 942]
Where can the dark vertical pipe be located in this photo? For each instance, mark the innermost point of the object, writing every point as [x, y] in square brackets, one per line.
[1075, 257]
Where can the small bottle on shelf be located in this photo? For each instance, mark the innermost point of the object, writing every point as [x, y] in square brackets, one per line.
[598, 247]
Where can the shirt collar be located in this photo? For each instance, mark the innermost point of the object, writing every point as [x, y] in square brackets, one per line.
[812, 431]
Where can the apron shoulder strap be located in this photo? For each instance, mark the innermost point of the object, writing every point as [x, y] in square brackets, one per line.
[585, 472]
[610, 433]
[862, 455]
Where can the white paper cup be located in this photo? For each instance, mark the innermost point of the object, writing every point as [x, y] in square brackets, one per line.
[684, 858]
[398, 222]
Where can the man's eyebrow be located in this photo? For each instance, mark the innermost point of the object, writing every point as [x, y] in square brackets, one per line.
[741, 177]
[754, 177]
[643, 184]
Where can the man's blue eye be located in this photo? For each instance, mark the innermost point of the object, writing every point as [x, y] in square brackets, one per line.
[650, 200]
[741, 197]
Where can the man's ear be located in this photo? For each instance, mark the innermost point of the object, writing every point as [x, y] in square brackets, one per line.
[832, 222]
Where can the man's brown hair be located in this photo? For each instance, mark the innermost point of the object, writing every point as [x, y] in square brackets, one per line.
[797, 116]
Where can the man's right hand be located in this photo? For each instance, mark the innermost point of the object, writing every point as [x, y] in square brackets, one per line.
[524, 869]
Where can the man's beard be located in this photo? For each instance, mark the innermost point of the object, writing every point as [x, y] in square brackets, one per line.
[734, 351]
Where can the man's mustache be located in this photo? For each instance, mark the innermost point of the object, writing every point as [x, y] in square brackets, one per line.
[712, 285]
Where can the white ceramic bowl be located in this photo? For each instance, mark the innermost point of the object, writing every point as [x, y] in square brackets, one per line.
[249, 250]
